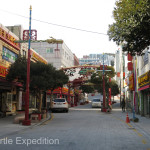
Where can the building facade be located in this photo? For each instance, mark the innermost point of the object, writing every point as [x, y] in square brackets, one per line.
[12, 97]
[59, 55]
[133, 75]
[9, 51]
[76, 60]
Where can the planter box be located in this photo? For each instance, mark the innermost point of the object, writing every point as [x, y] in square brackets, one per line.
[35, 117]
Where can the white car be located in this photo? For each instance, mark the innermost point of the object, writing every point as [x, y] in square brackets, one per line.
[96, 102]
[60, 104]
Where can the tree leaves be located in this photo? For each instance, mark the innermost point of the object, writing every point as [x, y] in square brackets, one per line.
[42, 76]
[132, 25]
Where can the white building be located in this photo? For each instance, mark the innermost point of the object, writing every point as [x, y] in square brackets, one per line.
[59, 55]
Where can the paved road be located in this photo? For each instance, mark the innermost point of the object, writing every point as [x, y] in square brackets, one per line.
[83, 128]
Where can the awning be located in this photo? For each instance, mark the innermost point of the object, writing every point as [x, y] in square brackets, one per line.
[6, 85]
[144, 87]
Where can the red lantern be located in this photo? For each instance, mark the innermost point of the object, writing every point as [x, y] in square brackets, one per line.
[130, 66]
[124, 74]
[118, 74]
[129, 57]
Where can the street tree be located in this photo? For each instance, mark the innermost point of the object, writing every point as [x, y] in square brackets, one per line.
[18, 70]
[42, 76]
[132, 25]
[114, 88]
[87, 88]
[41, 79]
[97, 79]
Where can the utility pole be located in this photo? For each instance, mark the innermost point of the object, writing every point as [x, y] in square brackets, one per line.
[104, 94]
[27, 122]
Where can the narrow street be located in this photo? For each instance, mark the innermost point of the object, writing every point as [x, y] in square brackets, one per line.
[83, 128]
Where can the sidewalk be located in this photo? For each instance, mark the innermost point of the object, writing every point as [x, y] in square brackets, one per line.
[7, 127]
[143, 125]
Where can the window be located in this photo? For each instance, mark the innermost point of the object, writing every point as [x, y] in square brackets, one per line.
[49, 50]
[23, 52]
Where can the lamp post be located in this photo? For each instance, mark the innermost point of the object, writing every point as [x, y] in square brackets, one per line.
[104, 96]
[27, 122]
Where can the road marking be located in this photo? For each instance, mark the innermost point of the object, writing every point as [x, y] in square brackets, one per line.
[44, 123]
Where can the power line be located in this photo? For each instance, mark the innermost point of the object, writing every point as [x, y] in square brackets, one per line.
[54, 23]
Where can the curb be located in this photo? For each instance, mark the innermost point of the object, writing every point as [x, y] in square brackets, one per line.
[46, 119]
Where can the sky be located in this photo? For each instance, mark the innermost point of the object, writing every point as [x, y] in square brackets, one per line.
[89, 15]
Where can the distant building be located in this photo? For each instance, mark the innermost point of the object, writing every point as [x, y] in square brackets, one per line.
[97, 59]
[117, 66]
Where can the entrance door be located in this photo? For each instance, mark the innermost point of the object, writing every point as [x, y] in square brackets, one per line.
[9, 102]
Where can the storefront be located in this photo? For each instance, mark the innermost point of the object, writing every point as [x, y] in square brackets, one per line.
[8, 54]
[144, 93]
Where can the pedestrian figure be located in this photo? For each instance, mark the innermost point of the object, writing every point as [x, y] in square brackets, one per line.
[123, 105]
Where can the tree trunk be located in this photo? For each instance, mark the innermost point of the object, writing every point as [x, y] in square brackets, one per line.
[51, 100]
[40, 98]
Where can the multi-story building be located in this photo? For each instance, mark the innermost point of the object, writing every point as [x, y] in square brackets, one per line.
[134, 81]
[97, 59]
[9, 51]
[142, 88]
[59, 55]
[11, 94]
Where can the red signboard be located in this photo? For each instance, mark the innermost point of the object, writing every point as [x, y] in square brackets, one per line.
[9, 39]
[3, 71]
[129, 57]
[118, 74]
[33, 35]
[130, 66]
[131, 82]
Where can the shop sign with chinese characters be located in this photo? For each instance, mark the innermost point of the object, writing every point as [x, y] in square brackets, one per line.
[131, 82]
[144, 79]
[3, 71]
[8, 39]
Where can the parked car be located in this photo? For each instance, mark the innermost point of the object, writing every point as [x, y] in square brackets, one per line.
[96, 102]
[60, 104]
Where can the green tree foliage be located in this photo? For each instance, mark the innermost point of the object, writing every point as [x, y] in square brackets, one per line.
[132, 25]
[114, 88]
[18, 70]
[97, 79]
[87, 88]
[42, 76]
